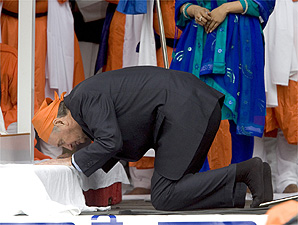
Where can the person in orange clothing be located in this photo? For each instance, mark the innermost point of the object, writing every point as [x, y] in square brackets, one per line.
[279, 144]
[8, 70]
[8, 66]
[9, 33]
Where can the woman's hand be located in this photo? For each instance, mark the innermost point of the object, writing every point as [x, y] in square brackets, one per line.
[200, 14]
[218, 15]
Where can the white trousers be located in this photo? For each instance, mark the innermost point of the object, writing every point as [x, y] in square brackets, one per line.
[282, 157]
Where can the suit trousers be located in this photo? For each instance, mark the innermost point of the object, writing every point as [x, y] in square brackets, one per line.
[200, 190]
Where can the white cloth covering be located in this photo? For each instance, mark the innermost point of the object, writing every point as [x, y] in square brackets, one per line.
[22, 192]
[100, 179]
[139, 30]
[39, 190]
[60, 49]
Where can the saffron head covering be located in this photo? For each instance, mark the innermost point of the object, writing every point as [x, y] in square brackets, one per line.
[43, 118]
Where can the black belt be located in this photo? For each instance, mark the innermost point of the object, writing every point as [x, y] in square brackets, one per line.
[171, 42]
[15, 15]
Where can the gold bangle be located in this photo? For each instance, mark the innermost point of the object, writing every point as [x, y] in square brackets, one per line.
[246, 7]
[185, 6]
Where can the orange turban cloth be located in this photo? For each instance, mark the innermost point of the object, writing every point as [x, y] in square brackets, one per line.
[43, 118]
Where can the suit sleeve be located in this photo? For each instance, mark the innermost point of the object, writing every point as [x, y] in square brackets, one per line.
[98, 114]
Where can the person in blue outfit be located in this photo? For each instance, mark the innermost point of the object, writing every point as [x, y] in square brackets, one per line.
[222, 44]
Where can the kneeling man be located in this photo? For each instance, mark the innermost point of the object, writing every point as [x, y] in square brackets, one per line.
[128, 111]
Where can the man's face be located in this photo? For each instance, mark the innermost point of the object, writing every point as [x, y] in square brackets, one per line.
[67, 137]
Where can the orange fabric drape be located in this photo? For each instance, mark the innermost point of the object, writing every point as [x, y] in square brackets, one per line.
[115, 42]
[143, 163]
[220, 153]
[9, 82]
[285, 115]
[8, 69]
[9, 30]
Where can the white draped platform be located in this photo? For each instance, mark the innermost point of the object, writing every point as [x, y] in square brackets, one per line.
[50, 190]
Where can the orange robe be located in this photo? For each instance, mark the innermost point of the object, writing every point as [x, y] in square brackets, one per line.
[9, 85]
[9, 30]
[115, 41]
[285, 115]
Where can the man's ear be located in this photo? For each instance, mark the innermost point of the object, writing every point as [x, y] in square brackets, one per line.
[60, 122]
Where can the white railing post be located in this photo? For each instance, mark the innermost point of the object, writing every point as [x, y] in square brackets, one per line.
[26, 50]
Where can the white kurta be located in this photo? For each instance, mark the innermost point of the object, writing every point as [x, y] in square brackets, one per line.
[60, 49]
[281, 48]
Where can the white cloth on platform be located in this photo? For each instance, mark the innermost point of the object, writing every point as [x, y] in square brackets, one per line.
[100, 179]
[22, 192]
[48, 189]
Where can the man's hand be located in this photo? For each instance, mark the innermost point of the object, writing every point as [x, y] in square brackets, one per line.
[64, 155]
[63, 161]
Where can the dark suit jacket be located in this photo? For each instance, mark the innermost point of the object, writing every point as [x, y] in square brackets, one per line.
[127, 111]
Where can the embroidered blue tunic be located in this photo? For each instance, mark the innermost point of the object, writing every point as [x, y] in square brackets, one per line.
[230, 59]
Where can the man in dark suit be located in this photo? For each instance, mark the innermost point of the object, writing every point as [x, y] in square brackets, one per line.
[128, 111]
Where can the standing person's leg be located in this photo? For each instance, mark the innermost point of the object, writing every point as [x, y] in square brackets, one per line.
[286, 159]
